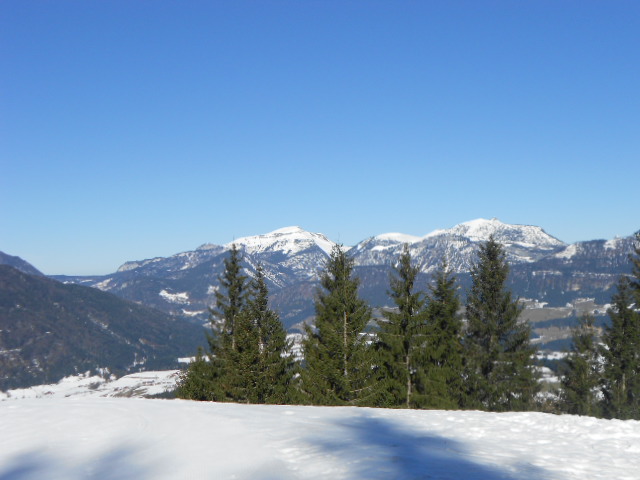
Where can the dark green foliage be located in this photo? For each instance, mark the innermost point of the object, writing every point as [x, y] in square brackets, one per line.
[444, 370]
[635, 263]
[230, 301]
[339, 364]
[49, 330]
[401, 340]
[198, 381]
[500, 373]
[582, 376]
[249, 357]
[219, 377]
[264, 353]
[621, 352]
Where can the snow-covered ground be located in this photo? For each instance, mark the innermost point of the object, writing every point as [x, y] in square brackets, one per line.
[140, 384]
[91, 437]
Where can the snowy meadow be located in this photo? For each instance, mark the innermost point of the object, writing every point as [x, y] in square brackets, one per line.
[73, 436]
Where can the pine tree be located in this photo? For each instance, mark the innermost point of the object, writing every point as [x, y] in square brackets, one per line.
[500, 373]
[401, 339]
[339, 363]
[579, 394]
[444, 388]
[621, 352]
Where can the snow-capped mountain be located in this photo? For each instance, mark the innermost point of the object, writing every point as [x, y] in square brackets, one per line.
[481, 229]
[458, 245]
[543, 268]
[288, 240]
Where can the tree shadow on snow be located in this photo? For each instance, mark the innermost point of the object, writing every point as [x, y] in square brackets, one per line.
[375, 448]
[116, 464]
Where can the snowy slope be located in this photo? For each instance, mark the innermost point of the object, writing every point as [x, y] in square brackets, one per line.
[127, 439]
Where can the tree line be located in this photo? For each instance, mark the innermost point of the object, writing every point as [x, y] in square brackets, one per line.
[424, 353]
[602, 376]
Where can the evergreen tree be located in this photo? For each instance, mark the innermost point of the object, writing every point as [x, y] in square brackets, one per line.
[401, 339]
[500, 372]
[267, 349]
[444, 388]
[219, 377]
[230, 301]
[198, 381]
[635, 262]
[339, 364]
[582, 376]
[621, 352]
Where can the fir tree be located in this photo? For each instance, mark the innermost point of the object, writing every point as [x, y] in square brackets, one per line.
[500, 373]
[579, 394]
[339, 364]
[621, 352]
[401, 339]
[444, 371]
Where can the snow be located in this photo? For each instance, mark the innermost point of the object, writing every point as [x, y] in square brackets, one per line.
[180, 297]
[568, 252]
[85, 385]
[481, 229]
[397, 238]
[82, 437]
[289, 240]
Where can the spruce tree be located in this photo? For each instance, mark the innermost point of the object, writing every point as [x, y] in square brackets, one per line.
[197, 382]
[621, 352]
[444, 387]
[579, 394]
[220, 373]
[338, 361]
[401, 339]
[500, 372]
[635, 263]
[272, 377]
[232, 299]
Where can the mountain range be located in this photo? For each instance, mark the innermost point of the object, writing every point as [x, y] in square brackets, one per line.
[544, 269]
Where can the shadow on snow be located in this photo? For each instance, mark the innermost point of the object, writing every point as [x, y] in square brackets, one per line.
[374, 448]
[116, 464]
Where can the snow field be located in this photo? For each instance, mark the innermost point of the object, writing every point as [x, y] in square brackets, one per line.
[130, 438]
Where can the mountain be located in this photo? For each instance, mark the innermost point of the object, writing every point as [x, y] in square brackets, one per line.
[544, 269]
[49, 330]
[458, 245]
[20, 264]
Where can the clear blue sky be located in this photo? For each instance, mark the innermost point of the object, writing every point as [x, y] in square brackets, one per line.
[134, 129]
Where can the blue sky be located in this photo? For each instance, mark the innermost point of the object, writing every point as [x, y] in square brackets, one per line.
[130, 130]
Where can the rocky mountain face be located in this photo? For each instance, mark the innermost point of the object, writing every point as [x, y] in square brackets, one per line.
[49, 330]
[543, 268]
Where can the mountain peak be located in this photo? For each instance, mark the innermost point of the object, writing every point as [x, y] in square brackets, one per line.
[288, 240]
[287, 231]
[480, 229]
